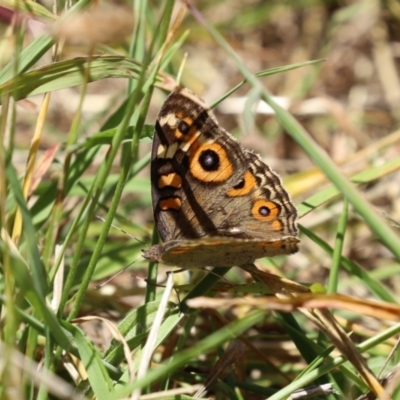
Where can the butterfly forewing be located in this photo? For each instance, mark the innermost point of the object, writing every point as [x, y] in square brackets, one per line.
[215, 203]
[194, 162]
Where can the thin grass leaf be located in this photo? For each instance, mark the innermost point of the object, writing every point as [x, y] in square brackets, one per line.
[105, 138]
[337, 250]
[70, 73]
[264, 73]
[331, 192]
[375, 287]
[34, 282]
[136, 322]
[97, 375]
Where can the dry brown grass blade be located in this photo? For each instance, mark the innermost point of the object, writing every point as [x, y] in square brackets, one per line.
[117, 335]
[340, 339]
[31, 163]
[42, 167]
[390, 382]
[287, 290]
[170, 393]
[275, 283]
[221, 369]
[368, 308]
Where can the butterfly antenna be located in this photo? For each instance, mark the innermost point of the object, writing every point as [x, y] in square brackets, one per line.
[97, 287]
[121, 230]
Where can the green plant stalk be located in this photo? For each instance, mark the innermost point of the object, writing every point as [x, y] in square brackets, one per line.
[137, 48]
[69, 235]
[48, 365]
[152, 273]
[11, 320]
[161, 34]
[377, 224]
[88, 207]
[31, 346]
[337, 250]
[7, 136]
[180, 345]
[96, 189]
[140, 164]
[50, 241]
[264, 73]
[68, 73]
[57, 211]
[33, 281]
[99, 183]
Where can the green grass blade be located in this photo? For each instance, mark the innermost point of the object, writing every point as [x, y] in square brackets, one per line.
[376, 287]
[69, 73]
[98, 377]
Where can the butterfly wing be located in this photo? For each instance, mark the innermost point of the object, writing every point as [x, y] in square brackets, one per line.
[218, 251]
[194, 162]
[260, 206]
[215, 203]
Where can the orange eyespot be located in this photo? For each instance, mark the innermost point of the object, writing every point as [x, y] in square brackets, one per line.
[185, 131]
[267, 211]
[174, 180]
[209, 162]
[245, 186]
[171, 203]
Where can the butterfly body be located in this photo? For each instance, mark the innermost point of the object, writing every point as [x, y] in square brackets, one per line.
[215, 203]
